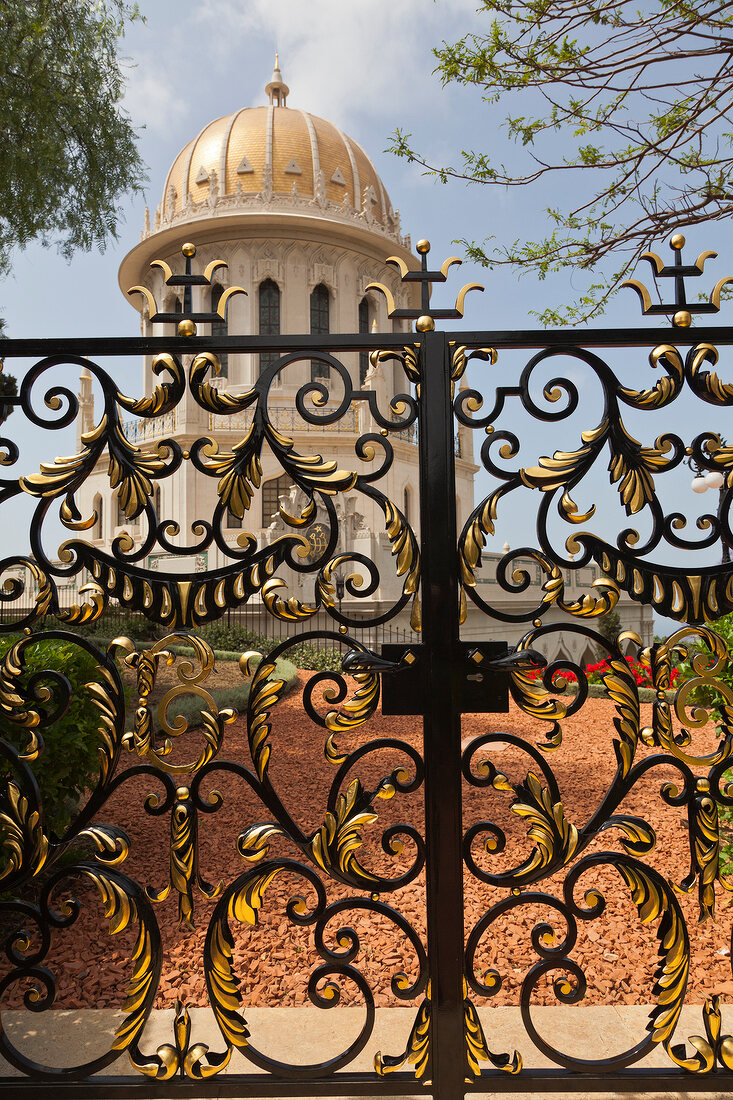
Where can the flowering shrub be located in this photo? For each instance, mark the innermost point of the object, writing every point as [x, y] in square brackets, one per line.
[595, 673]
[642, 674]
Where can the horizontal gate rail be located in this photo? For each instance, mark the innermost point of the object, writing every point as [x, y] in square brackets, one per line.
[334, 342]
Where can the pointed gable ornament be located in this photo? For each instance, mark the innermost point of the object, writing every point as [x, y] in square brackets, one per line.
[202, 176]
[338, 177]
[244, 166]
[293, 168]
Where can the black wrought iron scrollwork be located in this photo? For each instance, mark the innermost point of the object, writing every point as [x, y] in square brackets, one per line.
[559, 845]
[635, 564]
[392, 812]
[122, 573]
[331, 849]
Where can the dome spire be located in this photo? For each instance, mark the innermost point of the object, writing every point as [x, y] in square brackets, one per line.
[277, 90]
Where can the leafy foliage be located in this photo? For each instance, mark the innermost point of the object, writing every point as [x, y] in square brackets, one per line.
[8, 388]
[104, 630]
[222, 637]
[703, 695]
[631, 101]
[609, 627]
[69, 762]
[67, 148]
[304, 655]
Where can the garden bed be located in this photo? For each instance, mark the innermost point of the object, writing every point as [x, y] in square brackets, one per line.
[274, 959]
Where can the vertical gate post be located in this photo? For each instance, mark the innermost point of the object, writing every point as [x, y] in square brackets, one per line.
[441, 721]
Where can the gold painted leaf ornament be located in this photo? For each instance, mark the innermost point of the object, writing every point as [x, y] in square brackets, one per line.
[564, 466]
[404, 546]
[707, 384]
[555, 837]
[357, 710]
[216, 401]
[195, 1061]
[122, 911]
[632, 466]
[654, 898]
[59, 477]
[242, 903]
[131, 471]
[480, 525]
[335, 844]
[667, 388]
[417, 1052]
[316, 474]
[239, 470]
[237, 486]
[21, 828]
[264, 694]
[165, 396]
[714, 1047]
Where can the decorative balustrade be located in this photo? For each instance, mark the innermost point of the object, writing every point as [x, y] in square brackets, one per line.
[140, 431]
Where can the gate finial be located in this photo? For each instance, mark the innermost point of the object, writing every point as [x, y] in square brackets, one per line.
[424, 317]
[680, 309]
[187, 318]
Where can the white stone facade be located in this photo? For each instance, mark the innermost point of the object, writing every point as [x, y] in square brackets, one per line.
[288, 201]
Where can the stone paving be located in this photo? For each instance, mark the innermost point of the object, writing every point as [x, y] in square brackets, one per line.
[311, 1034]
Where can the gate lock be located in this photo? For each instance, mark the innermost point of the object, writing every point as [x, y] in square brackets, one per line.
[481, 675]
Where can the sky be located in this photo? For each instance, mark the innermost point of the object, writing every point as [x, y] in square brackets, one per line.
[370, 69]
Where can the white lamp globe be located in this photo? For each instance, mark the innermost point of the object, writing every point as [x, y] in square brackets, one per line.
[699, 485]
[714, 479]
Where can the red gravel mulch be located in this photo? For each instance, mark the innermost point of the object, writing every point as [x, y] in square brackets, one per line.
[275, 958]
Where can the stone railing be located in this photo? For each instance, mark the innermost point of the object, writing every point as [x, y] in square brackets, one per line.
[287, 420]
[137, 431]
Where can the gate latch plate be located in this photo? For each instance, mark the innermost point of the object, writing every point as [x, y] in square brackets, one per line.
[481, 688]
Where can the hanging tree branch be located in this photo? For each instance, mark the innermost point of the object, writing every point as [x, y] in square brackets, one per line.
[638, 100]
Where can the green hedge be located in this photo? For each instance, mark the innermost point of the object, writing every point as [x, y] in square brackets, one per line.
[237, 697]
[69, 762]
[232, 640]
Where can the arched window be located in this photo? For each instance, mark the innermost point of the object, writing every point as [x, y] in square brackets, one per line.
[174, 305]
[99, 524]
[406, 503]
[363, 330]
[219, 328]
[232, 520]
[269, 307]
[121, 517]
[271, 493]
[156, 501]
[319, 325]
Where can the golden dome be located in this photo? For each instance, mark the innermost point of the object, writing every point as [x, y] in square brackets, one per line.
[279, 154]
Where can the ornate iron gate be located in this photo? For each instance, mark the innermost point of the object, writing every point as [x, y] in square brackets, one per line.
[448, 1052]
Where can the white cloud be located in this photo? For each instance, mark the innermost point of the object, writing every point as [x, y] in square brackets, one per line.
[346, 60]
[150, 101]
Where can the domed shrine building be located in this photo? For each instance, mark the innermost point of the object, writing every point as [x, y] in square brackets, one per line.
[298, 213]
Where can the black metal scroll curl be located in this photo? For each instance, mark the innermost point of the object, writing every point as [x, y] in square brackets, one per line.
[332, 847]
[654, 900]
[242, 901]
[125, 906]
[692, 595]
[121, 573]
